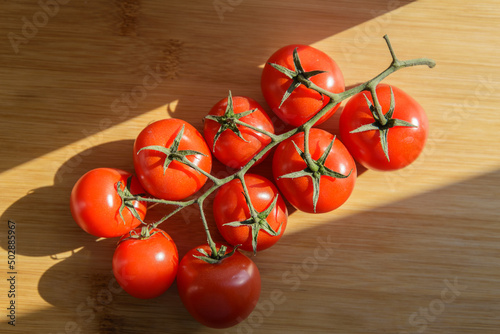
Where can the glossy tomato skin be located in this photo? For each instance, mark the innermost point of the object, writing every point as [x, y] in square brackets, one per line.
[405, 143]
[230, 149]
[179, 180]
[303, 103]
[218, 295]
[230, 205]
[299, 191]
[95, 203]
[146, 268]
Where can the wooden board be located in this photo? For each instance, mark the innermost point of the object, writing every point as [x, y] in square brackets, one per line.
[411, 251]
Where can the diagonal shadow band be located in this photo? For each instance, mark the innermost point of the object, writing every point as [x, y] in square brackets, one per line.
[121, 59]
[395, 256]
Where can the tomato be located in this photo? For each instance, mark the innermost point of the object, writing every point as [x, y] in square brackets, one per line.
[218, 295]
[178, 180]
[230, 149]
[95, 203]
[303, 103]
[230, 206]
[146, 268]
[299, 191]
[404, 143]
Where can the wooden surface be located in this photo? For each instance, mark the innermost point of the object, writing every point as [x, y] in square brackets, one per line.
[411, 251]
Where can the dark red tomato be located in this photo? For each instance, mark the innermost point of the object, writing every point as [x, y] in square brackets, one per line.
[146, 268]
[178, 181]
[303, 103]
[230, 149]
[299, 191]
[218, 295]
[230, 206]
[404, 143]
[95, 203]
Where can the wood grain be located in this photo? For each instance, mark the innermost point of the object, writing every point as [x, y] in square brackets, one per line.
[411, 251]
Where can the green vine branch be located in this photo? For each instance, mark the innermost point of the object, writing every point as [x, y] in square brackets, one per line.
[299, 77]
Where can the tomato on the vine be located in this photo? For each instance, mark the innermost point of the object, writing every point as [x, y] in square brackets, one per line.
[218, 295]
[156, 152]
[405, 134]
[303, 103]
[236, 144]
[95, 203]
[145, 267]
[230, 206]
[300, 190]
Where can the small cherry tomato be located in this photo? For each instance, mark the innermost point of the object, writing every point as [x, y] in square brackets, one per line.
[218, 295]
[237, 144]
[174, 181]
[145, 268]
[404, 143]
[230, 206]
[299, 191]
[303, 103]
[95, 203]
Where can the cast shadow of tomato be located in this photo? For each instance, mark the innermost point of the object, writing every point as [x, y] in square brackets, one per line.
[45, 211]
[84, 287]
[81, 281]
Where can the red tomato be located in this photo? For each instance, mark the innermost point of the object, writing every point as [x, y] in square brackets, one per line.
[146, 268]
[218, 295]
[299, 191]
[230, 149]
[230, 206]
[404, 143]
[303, 103]
[178, 181]
[95, 203]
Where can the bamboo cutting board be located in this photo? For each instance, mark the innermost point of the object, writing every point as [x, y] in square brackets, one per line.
[414, 251]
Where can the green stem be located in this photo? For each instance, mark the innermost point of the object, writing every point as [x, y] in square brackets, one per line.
[253, 212]
[159, 201]
[200, 170]
[210, 241]
[335, 98]
[267, 133]
[155, 224]
[378, 108]
[395, 65]
[307, 154]
[391, 50]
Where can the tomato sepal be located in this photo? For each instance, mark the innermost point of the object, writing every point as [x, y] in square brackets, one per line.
[299, 75]
[146, 232]
[215, 256]
[172, 153]
[383, 122]
[315, 169]
[258, 222]
[228, 120]
[127, 199]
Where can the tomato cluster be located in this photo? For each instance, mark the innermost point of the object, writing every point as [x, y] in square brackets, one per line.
[381, 128]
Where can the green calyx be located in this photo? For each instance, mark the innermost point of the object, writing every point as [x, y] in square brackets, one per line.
[315, 170]
[257, 222]
[172, 153]
[228, 120]
[215, 257]
[125, 195]
[299, 75]
[146, 233]
[383, 122]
